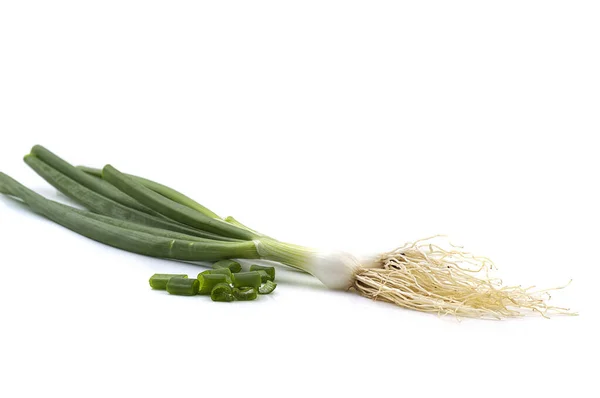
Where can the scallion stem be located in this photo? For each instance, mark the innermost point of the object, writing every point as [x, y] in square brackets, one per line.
[126, 239]
[102, 205]
[171, 209]
[165, 191]
[99, 186]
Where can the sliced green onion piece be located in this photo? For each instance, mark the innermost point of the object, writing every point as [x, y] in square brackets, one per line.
[247, 279]
[245, 293]
[263, 276]
[159, 281]
[233, 266]
[222, 271]
[221, 292]
[269, 270]
[183, 286]
[267, 287]
[208, 281]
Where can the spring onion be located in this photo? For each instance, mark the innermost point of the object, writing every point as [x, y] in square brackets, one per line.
[247, 279]
[159, 281]
[423, 275]
[267, 288]
[270, 271]
[245, 293]
[222, 292]
[231, 265]
[417, 276]
[182, 286]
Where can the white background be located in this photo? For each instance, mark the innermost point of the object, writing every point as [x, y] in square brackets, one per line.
[352, 125]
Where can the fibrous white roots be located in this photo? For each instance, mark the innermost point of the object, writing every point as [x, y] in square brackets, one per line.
[426, 277]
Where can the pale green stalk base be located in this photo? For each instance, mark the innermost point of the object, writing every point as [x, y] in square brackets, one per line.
[291, 255]
[336, 270]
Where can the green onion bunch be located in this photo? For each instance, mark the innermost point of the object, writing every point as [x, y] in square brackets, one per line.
[142, 216]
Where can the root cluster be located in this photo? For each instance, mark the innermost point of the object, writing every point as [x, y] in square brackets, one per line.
[426, 277]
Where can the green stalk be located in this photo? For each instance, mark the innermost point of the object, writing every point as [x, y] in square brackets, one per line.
[291, 255]
[172, 194]
[165, 191]
[99, 186]
[335, 270]
[102, 205]
[94, 171]
[202, 236]
[171, 209]
[235, 222]
[165, 233]
[132, 241]
[294, 256]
